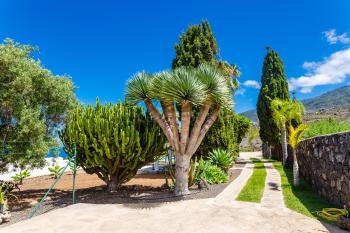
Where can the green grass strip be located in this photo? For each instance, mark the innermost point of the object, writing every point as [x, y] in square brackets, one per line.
[301, 199]
[254, 188]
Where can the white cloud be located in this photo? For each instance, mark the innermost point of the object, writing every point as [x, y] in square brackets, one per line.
[333, 38]
[332, 70]
[240, 91]
[252, 83]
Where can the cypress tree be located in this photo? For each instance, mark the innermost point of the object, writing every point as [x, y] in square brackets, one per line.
[197, 45]
[273, 85]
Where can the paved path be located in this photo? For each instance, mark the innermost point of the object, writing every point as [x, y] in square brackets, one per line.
[273, 197]
[221, 215]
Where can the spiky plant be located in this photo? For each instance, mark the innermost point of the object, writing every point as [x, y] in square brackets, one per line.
[221, 158]
[283, 112]
[295, 137]
[204, 87]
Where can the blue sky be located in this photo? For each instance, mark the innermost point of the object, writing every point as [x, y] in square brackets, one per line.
[100, 44]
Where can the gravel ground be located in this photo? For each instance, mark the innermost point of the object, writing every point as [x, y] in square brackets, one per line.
[144, 190]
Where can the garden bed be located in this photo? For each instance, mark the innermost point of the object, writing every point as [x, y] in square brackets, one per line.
[144, 190]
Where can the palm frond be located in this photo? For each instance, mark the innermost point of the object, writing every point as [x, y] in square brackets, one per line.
[279, 112]
[138, 87]
[295, 135]
[182, 86]
[158, 84]
[215, 84]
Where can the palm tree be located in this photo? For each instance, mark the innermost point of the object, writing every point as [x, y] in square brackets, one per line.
[204, 87]
[295, 136]
[283, 112]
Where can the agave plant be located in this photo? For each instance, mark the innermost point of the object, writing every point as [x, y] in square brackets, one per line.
[204, 87]
[221, 158]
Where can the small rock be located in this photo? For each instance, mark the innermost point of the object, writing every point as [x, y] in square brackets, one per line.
[203, 184]
[33, 202]
[5, 217]
[343, 222]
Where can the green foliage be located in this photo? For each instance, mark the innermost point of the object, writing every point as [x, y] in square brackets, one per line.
[253, 134]
[326, 126]
[221, 158]
[181, 85]
[295, 135]
[285, 111]
[19, 177]
[112, 141]
[197, 45]
[242, 125]
[273, 85]
[254, 188]
[211, 173]
[302, 199]
[33, 104]
[226, 133]
[55, 171]
[5, 194]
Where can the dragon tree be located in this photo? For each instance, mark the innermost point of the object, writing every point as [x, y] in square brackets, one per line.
[177, 92]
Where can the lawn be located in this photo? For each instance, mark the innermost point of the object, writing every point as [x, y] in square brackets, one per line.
[301, 199]
[254, 188]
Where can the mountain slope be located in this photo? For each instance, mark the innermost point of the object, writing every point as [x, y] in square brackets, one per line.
[335, 99]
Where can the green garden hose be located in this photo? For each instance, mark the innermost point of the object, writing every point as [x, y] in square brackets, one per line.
[332, 214]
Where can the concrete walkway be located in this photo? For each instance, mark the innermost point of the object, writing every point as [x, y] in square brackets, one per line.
[273, 197]
[221, 214]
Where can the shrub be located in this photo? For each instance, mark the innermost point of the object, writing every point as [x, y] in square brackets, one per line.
[55, 171]
[226, 133]
[19, 177]
[112, 141]
[326, 126]
[211, 173]
[221, 158]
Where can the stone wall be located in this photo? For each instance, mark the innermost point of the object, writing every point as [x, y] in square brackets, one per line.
[325, 163]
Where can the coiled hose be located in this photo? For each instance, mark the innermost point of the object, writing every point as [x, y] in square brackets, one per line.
[332, 214]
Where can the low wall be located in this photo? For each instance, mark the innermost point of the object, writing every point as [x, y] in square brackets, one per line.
[325, 163]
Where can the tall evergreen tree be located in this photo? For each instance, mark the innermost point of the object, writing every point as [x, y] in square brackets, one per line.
[197, 45]
[273, 85]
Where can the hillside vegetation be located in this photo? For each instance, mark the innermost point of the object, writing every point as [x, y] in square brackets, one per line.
[326, 126]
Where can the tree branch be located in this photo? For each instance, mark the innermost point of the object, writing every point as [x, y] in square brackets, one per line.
[185, 124]
[169, 112]
[161, 122]
[198, 125]
[210, 121]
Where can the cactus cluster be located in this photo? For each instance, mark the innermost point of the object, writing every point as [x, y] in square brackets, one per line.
[112, 141]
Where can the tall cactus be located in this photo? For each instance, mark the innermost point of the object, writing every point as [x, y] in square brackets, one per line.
[112, 141]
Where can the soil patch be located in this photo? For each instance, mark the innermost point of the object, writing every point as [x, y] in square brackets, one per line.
[143, 191]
